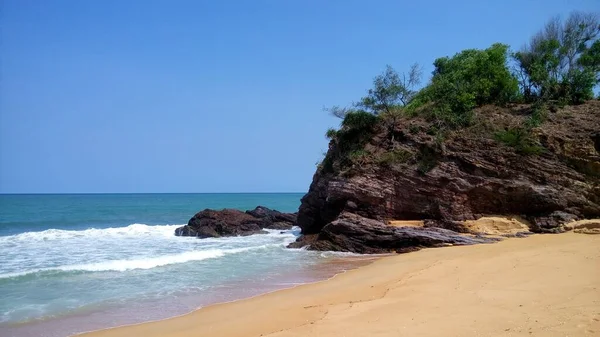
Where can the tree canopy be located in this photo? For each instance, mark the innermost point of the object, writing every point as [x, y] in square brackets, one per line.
[561, 63]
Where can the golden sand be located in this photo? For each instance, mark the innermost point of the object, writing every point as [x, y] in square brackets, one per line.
[543, 285]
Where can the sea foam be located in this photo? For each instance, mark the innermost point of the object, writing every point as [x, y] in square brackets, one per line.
[144, 263]
[137, 246]
[61, 234]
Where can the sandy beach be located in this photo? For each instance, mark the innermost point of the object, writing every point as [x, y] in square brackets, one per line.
[543, 285]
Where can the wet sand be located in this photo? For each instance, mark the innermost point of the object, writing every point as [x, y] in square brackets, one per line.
[543, 285]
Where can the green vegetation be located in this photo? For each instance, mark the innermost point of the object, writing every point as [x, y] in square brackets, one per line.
[559, 66]
[395, 156]
[469, 79]
[520, 139]
[562, 61]
[359, 121]
[357, 128]
[391, 90]
[358, 157]
[331, 133]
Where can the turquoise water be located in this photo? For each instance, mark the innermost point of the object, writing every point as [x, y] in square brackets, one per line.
[24, 213]
[73, 263]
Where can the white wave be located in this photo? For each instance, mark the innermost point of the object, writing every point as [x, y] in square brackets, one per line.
[141, 263]
[137, 246]
[136, 229]
[148, 263]
[61, 234]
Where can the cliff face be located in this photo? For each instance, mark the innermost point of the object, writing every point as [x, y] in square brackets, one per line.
[406, 172]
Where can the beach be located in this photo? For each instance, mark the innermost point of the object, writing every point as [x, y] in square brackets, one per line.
[542, 285]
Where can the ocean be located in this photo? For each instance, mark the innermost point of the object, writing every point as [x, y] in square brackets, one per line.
[75, 263]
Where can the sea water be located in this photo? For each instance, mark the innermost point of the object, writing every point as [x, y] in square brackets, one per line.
[74, 263]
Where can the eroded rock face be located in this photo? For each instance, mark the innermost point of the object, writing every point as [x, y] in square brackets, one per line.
[353, 233]
[233, 222]
[472, 175]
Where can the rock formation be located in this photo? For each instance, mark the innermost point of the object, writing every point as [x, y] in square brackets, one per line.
[353, 233]
[467, 175]
[233, 222]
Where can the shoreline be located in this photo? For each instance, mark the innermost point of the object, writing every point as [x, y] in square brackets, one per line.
[354, 261]
[326, 307]
[86, 321]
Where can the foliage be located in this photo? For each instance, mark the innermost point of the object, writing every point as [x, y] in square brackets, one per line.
[356, 130]
[390, 119]
[562, 61]
[391, 89]
[331, 133]
[395, 156]
[359, 120]
[451, 107]
[520, 139]
[468, 79]
[537, 117]
[358, 157]
[559, 66]
[340, 112]
[590, 58]
[482, 75]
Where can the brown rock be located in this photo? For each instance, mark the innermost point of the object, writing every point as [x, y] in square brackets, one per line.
[468, 176]
[353, 233]
[273, 219]
[232, 222]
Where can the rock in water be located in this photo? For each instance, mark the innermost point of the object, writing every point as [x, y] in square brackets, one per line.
[273, 219]
[233, 222]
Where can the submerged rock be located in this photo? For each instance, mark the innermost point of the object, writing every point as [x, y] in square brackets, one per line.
[233, 222]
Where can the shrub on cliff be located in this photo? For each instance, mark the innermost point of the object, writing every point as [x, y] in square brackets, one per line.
[395, 156]
[359, 121]
[357, 129]
[562, 61]
[520, 139]
[468, 79]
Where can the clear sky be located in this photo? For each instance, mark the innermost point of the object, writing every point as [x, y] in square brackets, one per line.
[210, 96]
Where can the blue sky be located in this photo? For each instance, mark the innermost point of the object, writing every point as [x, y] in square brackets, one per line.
[210, 96]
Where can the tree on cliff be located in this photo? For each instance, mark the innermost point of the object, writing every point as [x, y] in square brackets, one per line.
[390, 90]
[562, 61]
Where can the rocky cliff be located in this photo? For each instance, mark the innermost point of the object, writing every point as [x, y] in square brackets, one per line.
[406, 169]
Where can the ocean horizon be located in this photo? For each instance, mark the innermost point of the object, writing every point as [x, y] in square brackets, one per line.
[78, 262]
